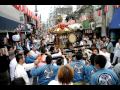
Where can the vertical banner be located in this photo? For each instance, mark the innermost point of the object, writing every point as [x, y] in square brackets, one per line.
[106, 8]
[99, 12]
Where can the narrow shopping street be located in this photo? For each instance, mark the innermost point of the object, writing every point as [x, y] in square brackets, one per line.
[59, 45]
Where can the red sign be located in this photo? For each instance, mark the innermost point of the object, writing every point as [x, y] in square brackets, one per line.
[17, 6]
[99, 12]
[25, 10]
[106, 8]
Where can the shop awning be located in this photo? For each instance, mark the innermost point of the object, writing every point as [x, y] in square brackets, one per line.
[115, 22]
[25, 10]
[7, 24]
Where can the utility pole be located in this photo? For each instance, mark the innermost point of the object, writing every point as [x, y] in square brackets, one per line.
[103, 31]
[36, 13]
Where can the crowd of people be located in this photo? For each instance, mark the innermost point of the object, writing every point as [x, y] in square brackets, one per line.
[95, 62]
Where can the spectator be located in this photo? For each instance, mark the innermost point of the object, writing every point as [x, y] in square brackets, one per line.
[45, 73]
[107, 56]
[85, 59]
[117, 53]
[27, 43]
[95, 52]
[19, 46]
[4, 66]
[52, 49]
[104, 41]
[94, 43]
[13, 62]
[65, 76]
[42, 44]
[34, 52]
[110, 49]
[103, 76]
[88, 41]
[22, 67]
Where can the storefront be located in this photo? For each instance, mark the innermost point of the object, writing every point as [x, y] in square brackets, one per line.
[114, 25]
[10, 20]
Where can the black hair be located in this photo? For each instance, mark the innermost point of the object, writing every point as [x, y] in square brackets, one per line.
[85, 41]
[60, 61]
[48, 59]
[26, 52]
[1, 45]
[103, 37]
[104, 48]
[18, 81]
[92, 59]
[79, 56]
[95, 49]
[8, 47]
[18, 57]
[101, 60]
[51, 49]
[43, 50]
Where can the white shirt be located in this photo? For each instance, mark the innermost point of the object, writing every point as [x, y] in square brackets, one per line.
[28, 46]
[59, 54]
[89, 42]
[107, 55]
[51, 38]
[55, 82]
[81, 43]
[117, 50]
[44, 57]
[56, 54]
[20, 71]
[34, 53]
[12, 66]
[65, 62]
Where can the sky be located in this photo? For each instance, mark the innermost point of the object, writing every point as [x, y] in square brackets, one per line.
[44, 10]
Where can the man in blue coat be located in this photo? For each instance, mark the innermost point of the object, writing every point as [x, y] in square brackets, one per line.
[28, 57]
[79, 68]
[103, 76]
[45, 73]
[89, 70]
